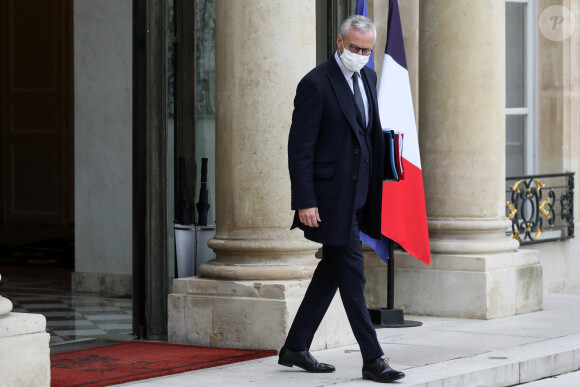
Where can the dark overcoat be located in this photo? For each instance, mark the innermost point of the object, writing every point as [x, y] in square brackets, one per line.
[324, 154]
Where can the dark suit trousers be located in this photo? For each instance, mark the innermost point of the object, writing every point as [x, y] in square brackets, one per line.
[342, 268]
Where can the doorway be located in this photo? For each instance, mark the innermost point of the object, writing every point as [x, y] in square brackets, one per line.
[37, 255]
[37, 113]
[36, 133]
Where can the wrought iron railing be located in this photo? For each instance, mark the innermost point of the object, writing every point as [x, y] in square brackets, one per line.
[540, 207]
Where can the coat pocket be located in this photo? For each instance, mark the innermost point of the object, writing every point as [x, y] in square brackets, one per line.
[324, 167]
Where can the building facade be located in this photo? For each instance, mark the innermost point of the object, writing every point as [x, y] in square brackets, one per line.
[496, 89]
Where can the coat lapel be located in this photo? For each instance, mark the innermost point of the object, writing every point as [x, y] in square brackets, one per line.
[342, 92]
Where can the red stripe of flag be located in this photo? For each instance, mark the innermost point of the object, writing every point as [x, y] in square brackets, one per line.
[403, 218]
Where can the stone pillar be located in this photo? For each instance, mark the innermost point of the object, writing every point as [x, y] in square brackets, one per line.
[476, 270]
[255, 83]
[24, 349]
[248, 295]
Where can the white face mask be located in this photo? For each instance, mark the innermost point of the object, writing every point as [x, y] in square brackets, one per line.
[353, 62]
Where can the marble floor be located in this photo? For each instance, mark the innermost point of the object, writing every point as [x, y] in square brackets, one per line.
[70, 317]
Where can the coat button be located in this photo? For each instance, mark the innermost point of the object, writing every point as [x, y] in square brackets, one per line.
[354, 177]
[356, 151]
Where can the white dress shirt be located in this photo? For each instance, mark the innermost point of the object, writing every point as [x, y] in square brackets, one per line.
[348, 76]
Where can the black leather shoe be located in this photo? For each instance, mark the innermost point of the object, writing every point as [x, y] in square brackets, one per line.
[302, 359]
[380, 371]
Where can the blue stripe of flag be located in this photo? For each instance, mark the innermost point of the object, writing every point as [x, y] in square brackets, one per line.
[395, 47]
[361, 9]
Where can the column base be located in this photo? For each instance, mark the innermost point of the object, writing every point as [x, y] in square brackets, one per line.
[482, 286]
[24, 350]
[272, 254]
[247, 314]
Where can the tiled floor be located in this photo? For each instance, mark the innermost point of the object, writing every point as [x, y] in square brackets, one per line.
[70, 318]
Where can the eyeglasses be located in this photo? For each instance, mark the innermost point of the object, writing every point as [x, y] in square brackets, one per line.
[355, 49]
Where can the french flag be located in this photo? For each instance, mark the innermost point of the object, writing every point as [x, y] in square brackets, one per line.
[404, 217]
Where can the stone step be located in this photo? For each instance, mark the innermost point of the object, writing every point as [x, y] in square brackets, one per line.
[507, 367]
[513, 366]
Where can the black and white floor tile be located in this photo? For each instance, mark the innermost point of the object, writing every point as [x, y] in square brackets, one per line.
[71, 317]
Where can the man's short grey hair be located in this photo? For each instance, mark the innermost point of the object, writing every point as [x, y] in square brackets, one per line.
[358, 22]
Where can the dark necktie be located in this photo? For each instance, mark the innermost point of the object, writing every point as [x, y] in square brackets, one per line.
[359, 101]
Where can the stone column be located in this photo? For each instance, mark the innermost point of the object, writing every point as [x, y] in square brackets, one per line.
[263, 48]
[476, 270]
[24, 349]
[248, 295]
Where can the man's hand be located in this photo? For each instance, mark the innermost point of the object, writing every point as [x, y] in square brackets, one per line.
[309, 216]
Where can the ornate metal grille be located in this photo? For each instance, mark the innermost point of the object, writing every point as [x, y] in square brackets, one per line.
[540, 207]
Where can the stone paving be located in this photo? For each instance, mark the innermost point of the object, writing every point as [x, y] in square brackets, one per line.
[443, 352]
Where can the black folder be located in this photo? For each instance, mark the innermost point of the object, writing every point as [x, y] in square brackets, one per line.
[390, 172]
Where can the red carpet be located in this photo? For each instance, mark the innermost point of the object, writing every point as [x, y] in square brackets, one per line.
[134, 360]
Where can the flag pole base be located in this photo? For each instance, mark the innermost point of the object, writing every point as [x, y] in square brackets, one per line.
[391, 318]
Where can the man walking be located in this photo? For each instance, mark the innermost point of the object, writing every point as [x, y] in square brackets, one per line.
[335, 157]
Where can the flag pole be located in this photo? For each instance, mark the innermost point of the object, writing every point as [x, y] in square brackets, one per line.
[390, 317]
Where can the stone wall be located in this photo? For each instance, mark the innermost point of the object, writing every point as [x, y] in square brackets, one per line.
[559, 139]
[103, 143]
